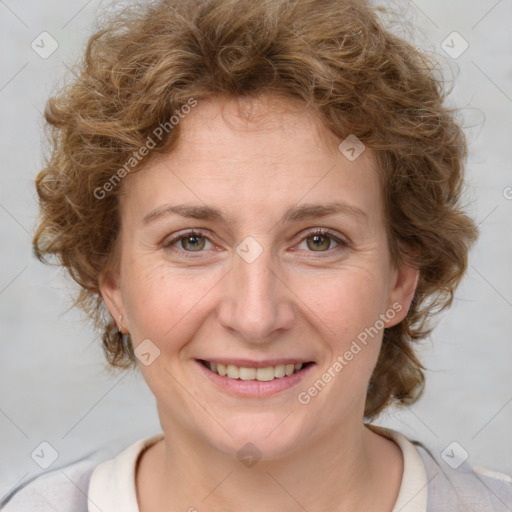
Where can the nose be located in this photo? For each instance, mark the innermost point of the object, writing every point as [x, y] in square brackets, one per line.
[256, 304]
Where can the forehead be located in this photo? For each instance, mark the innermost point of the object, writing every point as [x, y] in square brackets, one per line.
[256, 155]
[256, 118]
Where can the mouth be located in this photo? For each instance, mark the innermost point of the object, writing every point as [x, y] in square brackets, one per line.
[255, 371]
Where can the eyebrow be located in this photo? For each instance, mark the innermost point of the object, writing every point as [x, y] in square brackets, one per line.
[293, 214]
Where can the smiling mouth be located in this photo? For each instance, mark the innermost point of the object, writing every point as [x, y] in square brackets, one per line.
[266, 374]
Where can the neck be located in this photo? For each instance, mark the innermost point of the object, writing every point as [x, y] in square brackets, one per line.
[349, 469]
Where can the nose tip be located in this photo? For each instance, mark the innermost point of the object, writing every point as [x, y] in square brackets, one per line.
[256, 304]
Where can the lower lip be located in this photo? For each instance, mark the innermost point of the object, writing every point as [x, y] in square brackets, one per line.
[255, 388]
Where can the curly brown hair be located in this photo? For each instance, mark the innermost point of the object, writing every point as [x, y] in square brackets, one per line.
[335, 56]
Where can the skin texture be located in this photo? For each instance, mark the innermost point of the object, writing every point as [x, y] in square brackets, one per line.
[296, 299]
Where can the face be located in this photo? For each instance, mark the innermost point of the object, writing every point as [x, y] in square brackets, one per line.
[253, 248]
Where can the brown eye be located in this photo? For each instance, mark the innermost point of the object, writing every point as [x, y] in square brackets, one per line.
[319, 242]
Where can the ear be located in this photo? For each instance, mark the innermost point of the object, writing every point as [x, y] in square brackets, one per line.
[405, 280]
[112, 296]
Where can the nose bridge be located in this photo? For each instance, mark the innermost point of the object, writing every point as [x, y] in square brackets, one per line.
[256, 303]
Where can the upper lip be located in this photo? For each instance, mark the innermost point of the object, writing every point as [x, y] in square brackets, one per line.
[250, 363]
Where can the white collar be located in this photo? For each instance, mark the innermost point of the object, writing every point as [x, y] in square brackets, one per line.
[412, 496]
[112, 484]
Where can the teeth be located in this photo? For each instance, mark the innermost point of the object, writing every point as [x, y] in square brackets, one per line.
[247, 373]
[265, 374]
[221, 370]
[233, 371]
[279, 371]
[261, 374]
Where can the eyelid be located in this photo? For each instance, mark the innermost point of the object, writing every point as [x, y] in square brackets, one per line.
[186, 232]
[324, 231]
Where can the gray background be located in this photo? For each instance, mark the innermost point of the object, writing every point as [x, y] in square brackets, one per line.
[55, 387]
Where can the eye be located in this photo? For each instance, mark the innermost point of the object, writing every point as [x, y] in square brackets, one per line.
[319, 240]
[322, 240]
[192, 241]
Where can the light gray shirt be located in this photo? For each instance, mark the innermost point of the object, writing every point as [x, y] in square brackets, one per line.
[429, 484]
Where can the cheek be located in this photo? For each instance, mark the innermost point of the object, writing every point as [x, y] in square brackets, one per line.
[163, 305]
[346, 309]
[344, 303]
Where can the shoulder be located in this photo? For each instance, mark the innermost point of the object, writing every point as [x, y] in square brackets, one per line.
[436, 480]
[64, 488]
[456, 485]
[105, 477]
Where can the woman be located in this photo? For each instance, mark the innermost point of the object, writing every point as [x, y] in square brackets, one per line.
[260, 202]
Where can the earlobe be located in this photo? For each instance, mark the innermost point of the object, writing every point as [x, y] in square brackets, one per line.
[112, 297]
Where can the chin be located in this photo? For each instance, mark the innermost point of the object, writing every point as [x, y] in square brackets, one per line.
[262, 436]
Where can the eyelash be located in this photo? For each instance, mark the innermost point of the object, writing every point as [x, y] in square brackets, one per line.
[342, 244]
